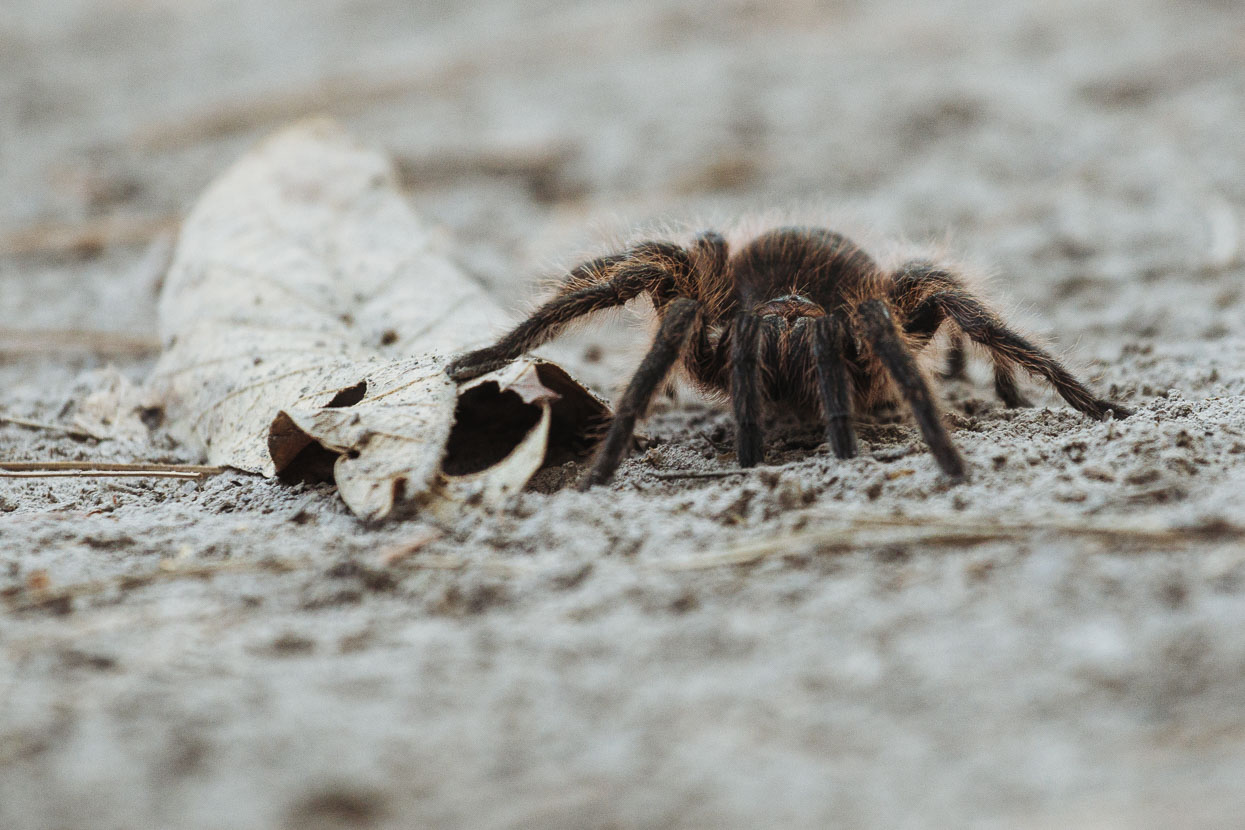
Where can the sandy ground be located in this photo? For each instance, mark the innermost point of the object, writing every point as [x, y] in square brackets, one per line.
[815, 643]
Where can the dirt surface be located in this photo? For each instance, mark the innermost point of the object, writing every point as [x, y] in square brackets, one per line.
[1058, 643]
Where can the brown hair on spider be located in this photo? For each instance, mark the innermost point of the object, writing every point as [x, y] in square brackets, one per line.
[798, 317]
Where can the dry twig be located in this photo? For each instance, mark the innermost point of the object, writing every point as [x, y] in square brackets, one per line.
[414, 544]
[30, 598]
[877, 532]
[674, 475]
[72, 432]
[59, 341]
[95, 469]
[86, 237]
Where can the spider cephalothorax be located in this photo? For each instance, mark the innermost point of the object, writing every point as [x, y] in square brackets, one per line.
[799, 318]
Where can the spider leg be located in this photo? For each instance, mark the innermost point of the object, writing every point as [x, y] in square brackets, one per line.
[1004, 375]
[710, 252]
[1005, 387]
[830, 337]
[957, 359]
[704, 358]
[1011, 349]
[672, 336]
[585, 290]
[913, 283]
[883, 337]
[928, 315]
[746, 344]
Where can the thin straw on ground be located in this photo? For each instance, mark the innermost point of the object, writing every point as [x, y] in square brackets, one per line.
[878, 532]
[92, 469]
[61, 341]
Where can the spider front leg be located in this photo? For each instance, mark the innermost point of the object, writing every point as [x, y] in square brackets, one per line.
[746, 342]
[830, 340]
[677, 325]
[602, 283]
[883, 337]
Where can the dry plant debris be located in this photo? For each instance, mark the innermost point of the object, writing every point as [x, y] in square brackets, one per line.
[18, 342]
[99, 469]
[308, 310]
[869, 532]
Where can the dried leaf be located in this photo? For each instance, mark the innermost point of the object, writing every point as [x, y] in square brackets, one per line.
[308, 310]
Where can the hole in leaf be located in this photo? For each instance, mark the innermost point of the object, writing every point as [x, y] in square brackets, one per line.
[489, 424]
[312, 465]
[348, 397]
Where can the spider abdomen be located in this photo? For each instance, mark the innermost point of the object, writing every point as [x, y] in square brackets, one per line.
[823, 268]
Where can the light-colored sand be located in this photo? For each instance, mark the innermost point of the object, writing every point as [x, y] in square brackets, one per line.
[572, 661]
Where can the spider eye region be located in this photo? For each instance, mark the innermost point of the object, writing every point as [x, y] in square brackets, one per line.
[791, 307]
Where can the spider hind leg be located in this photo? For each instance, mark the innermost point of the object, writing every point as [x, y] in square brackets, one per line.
[1006, 388]
[930, 295]
[1011, 349]
[957, 359]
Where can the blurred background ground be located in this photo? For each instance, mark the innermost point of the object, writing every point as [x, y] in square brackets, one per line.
[561, 665]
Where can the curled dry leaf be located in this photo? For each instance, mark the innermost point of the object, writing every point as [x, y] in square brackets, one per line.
[306, 319]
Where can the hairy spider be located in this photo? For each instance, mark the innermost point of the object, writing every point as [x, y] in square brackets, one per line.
[799, 318]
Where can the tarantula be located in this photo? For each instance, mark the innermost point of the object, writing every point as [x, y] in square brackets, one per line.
[799, 318]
